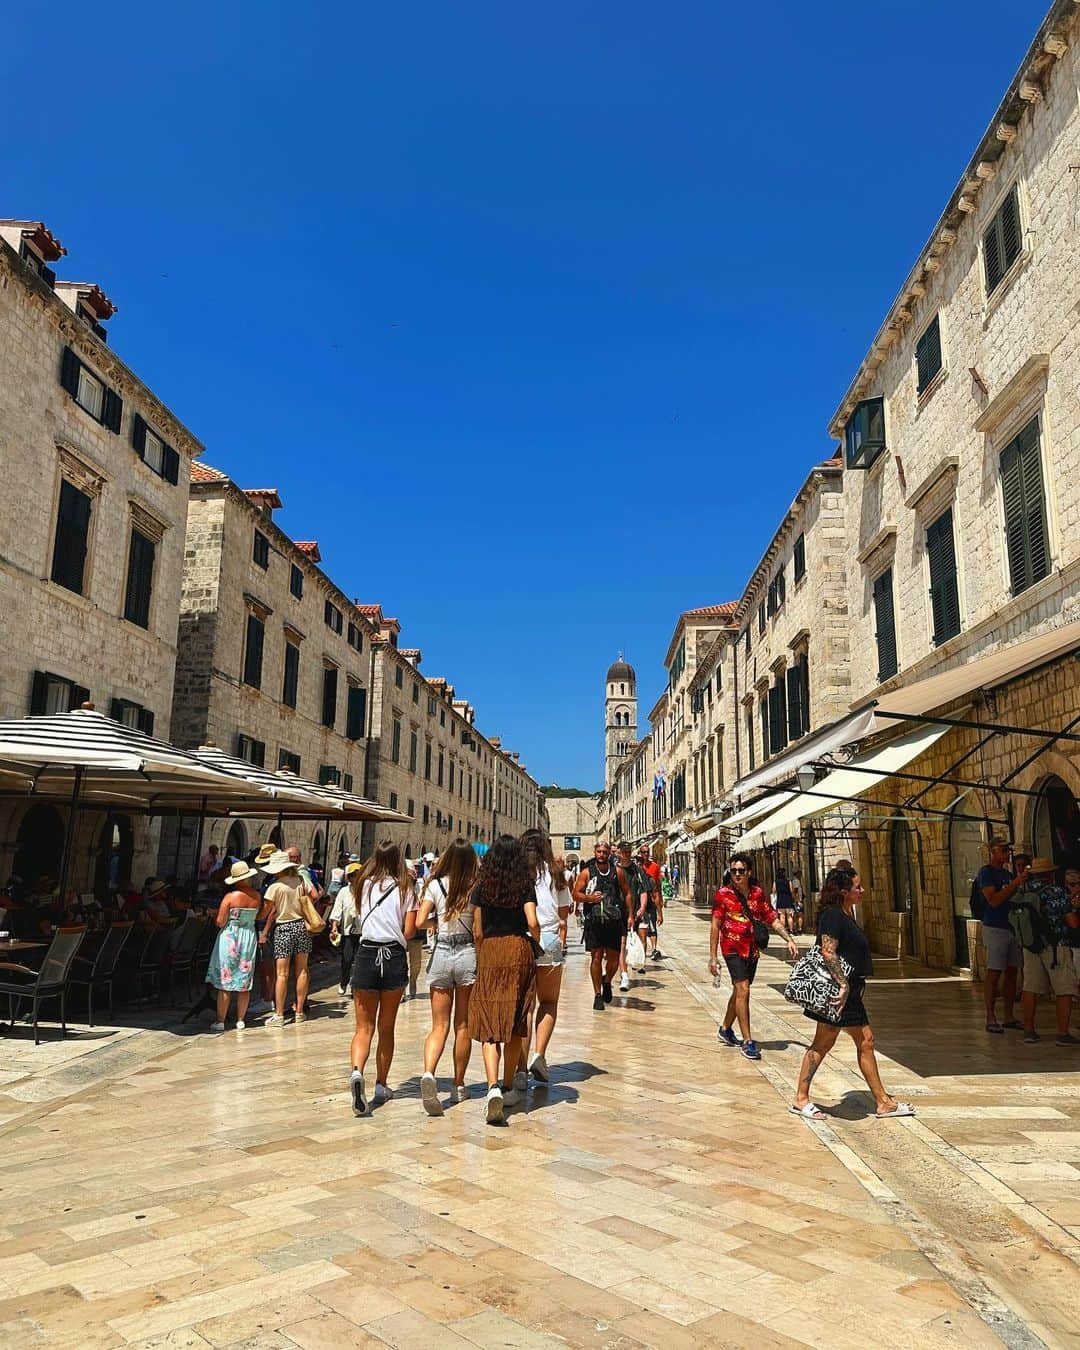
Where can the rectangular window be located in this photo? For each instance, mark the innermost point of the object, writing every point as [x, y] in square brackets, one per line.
[944, 592]
[431, 707]
[414, 751]
[355, 638]
[72, 538]
[1002, 241]
[427, 761]
[763, 716]
[928, 354]
[885, 625]
[393, 801]
[427, 815]
[439, 776]
[761, 619]
[160, 458]
[746, 639]
[252, 750]
[416, 693]
[260, 550]
[296, 581]
[92, 395]
[411, 808]
[290, 683]
[55, 694]
[799, 558]
[356, 713]
[399, 678]
[1026, 542]
[140, 579]
[132, 715]
[793, 682]
[777, 717]
[253, 651]
[864, 434]
[329, 775]
[332, 617]
[287, 760]
[347, 781]
[395, 741]
[329, 696]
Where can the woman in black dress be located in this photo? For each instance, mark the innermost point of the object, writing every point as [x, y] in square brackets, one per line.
[838, 935]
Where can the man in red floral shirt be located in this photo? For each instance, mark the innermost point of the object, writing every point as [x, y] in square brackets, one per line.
[736, 909]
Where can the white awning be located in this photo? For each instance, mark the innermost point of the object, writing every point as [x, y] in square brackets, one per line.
[842, 786]
[835, 736]
[761, 807]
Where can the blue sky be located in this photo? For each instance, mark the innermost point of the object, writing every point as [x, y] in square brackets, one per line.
[534, 315]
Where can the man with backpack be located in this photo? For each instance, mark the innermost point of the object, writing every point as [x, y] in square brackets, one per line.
[1038, 917]
[602, 889]
[993, 889]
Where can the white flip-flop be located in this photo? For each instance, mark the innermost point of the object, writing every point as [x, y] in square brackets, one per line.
[902, 1109]
[808, 1112]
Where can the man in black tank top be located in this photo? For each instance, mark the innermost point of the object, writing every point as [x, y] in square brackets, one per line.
[601, 887]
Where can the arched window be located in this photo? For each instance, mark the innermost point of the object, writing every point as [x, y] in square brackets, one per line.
[622, 688]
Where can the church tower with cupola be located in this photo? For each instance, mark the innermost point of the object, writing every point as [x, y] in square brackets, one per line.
[620, 717]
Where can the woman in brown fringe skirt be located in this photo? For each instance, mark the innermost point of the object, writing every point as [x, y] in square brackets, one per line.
[505, 928]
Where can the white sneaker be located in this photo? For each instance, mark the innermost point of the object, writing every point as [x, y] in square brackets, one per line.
[538, 1068]
[495, 1106]
[382, 1094]
[275, 1020]
[429, 1095]
[521, 1082]
[217, 1027]
[356, 1086]
[459, 1093]
[240, 1026]
[300, 1017]
[624, 982]
[341, 990]
[512, 1097]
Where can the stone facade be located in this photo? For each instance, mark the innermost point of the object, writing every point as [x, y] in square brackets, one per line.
[72, 413]
[240, 566]
[572, 825]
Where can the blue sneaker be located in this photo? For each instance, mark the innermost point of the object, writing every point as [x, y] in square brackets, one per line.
[750, 1050]
[726, 1036]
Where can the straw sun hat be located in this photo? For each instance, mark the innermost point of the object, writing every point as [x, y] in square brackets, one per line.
[278, 861]
[240, 871]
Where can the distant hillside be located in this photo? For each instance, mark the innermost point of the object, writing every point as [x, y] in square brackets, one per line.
[552, 790]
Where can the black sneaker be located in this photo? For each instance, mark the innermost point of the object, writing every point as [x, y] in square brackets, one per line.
[658, 956]
[605, 990]
[598, 1003]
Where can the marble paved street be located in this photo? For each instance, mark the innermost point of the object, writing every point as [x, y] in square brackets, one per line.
[218, 1191]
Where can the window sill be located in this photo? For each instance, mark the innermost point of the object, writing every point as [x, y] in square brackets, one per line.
[75, 598]
[1005, 285]
[921, 400]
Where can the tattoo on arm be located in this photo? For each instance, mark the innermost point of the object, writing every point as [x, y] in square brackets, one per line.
[830, 954]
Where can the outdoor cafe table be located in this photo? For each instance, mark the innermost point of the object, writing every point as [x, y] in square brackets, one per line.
[16, 945]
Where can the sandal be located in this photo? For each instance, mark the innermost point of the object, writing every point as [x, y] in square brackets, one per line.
[808, 1112]
[902, 1109]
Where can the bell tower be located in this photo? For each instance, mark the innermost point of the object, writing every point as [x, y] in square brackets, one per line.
[620, 717]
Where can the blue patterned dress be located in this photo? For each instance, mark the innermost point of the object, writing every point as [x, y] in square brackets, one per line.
[232, 962]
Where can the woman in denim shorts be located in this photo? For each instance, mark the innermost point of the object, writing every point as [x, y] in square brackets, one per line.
[553, 903]
[386, 905]
[445, 904]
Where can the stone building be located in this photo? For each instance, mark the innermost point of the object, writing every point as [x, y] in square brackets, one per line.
[91, 560]
[274, 663]
[572, 826]
[620, 716]
[428, 759]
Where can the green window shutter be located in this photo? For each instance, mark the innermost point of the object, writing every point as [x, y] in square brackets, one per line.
[253, 652]
[793, 679]
[885, 621]
[944, 592]
[1026, 543]
[112, 410]
[146, 721]
[138, 435]
[72, 532]
[1002, 240]
[140, 580]
[69, 372]
[928, 354]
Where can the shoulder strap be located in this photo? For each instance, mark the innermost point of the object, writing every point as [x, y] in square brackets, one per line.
[372, 908]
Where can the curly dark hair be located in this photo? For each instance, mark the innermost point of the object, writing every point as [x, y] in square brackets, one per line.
[505, 879]
[837, 885]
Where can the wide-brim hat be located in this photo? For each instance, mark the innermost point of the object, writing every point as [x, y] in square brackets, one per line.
[278, 861]
[1043, 865]
[156, 888]
[266, 852]
[240, 871]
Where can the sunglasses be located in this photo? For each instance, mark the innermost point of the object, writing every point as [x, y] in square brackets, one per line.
[738, 871]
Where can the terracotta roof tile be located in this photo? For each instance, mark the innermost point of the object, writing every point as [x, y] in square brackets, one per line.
[724, 611]
[269, 496]
[370, 610]
[310, 547]
[206, 473]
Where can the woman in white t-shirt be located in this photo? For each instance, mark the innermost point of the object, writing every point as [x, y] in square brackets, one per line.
[553, 904]
[446, 904]
[386, 907]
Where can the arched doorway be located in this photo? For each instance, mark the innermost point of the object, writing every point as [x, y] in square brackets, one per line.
[115, 851]
[1057, 824]
[274, 836]
[967, 853]
[236, 844]
[902, 860]
[316, 849]
[39, 845]
[343, 846]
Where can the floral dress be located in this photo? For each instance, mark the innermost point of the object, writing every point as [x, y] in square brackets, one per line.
[232, 962]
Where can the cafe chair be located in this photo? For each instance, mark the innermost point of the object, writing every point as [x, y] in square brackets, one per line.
[96, 972]
[51, 981]
[151, 962]
[184, 950]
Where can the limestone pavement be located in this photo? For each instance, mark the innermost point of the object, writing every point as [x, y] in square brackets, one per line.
[218, 1191]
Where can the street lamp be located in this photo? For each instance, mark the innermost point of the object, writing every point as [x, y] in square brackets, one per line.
[806, 777]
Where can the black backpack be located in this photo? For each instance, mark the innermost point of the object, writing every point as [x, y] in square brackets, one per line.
[977, 902]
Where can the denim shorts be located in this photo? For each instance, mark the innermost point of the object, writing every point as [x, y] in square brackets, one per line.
[380, 967]
[552, 954]
[452, 967]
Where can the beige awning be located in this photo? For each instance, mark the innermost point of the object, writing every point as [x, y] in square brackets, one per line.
[841, 787]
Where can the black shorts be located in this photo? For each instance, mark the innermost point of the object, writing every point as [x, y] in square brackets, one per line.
[854, 1013]
[742, 967]
[379, 968]
[647, 920]
[604, 936]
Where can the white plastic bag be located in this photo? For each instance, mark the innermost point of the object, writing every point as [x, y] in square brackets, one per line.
[635, 951]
